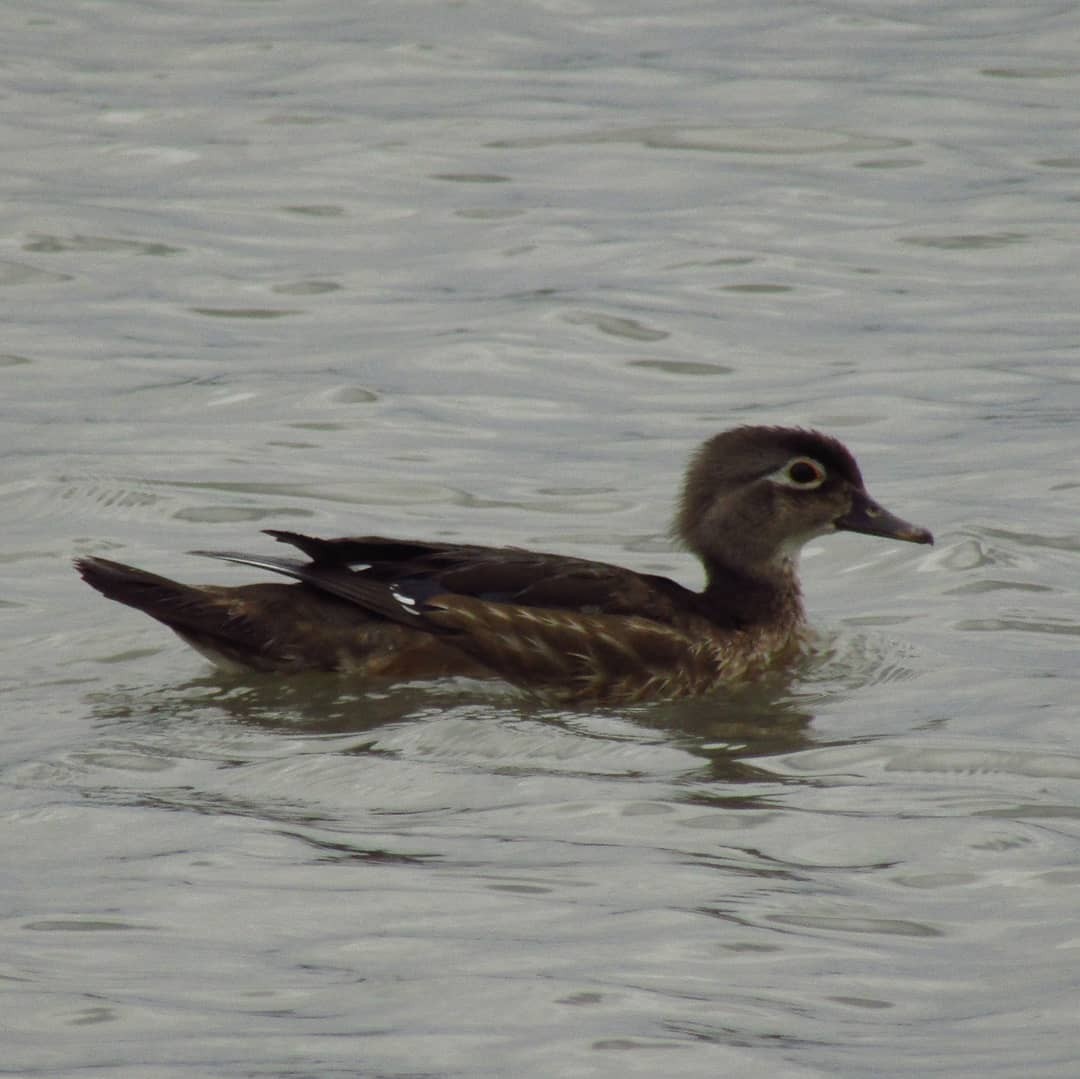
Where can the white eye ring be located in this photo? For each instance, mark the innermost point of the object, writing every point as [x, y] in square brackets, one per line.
[802, 473]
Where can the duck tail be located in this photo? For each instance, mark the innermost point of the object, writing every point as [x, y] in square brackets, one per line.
[159, 597]
[223, 627]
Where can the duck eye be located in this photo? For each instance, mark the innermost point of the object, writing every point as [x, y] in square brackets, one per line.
[802, 472]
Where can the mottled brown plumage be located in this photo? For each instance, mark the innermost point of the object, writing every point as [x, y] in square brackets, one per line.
[567, 628]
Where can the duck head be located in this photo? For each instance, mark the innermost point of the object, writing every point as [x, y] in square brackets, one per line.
[755, 495]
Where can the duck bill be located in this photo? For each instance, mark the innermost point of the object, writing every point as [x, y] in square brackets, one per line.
[868, 517]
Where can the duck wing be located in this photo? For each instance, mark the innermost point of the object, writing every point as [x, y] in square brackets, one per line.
[420, 584]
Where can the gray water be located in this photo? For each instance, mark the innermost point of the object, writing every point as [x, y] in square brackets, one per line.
[490, 272]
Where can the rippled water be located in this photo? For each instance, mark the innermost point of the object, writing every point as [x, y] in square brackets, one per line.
[491, 272]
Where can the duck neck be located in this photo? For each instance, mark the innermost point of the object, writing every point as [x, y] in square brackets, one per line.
[769, 596]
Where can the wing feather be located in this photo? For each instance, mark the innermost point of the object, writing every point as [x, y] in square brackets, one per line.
[408, 581]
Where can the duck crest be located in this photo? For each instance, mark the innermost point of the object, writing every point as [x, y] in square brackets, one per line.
[566, 628]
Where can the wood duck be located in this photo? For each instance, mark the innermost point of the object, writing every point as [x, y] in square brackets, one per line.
[566, 628]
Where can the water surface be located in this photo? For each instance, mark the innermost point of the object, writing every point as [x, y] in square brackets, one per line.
[490, 272]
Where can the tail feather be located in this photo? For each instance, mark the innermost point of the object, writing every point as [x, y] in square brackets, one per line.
[225, 628]
[145, 591]
[280, 626]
